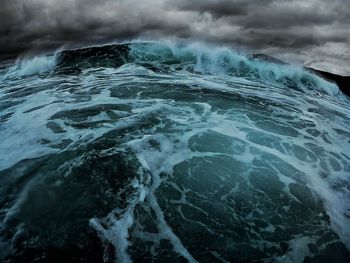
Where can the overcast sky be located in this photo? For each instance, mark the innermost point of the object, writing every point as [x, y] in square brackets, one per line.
[313, 32]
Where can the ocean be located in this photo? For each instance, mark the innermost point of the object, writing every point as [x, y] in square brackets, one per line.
[171, 152]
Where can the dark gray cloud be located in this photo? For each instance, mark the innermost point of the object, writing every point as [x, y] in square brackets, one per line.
[313, 32]
[217, 8]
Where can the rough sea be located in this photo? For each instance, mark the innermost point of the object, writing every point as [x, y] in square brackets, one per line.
[171, 152]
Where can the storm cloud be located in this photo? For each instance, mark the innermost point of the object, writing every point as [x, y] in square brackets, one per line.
[313, 32]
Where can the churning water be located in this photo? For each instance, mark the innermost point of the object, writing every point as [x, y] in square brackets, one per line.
[165, 152]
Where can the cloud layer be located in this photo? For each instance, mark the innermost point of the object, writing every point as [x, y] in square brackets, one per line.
[313, 32]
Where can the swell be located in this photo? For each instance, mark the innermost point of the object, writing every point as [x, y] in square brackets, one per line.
[169, 57]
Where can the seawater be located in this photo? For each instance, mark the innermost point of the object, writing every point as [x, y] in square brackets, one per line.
[171, 152]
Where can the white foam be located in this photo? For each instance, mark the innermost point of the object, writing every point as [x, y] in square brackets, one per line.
[158, 162]
[298, 250]
[31, 66]
[36, 65]
[117, 232]
[119, 222]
